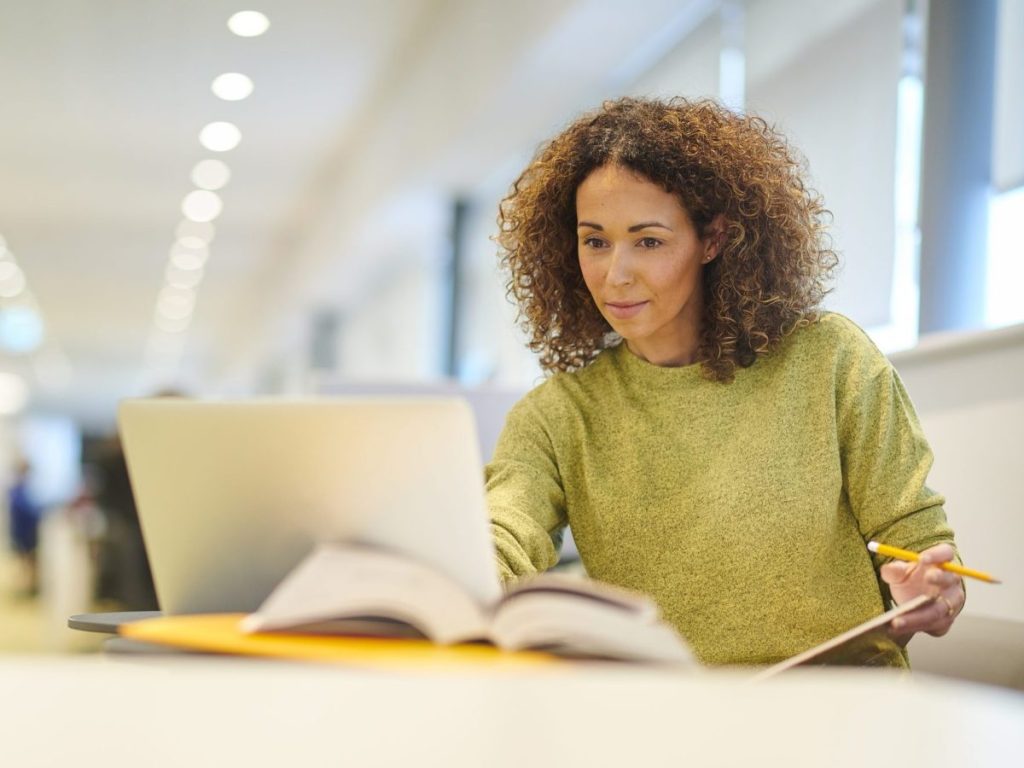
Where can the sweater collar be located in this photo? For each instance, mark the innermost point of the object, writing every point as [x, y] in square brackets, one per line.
[638, 368]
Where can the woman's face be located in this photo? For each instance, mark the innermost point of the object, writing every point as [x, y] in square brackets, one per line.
[641, 259]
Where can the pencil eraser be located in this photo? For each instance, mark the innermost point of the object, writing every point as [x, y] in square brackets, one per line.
[873, 546]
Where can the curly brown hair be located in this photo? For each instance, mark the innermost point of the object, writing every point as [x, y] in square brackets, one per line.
[775, 259]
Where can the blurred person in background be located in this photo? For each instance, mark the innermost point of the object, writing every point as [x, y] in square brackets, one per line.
[24, 529]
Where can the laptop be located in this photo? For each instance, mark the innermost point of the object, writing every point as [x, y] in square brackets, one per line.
[232, 495]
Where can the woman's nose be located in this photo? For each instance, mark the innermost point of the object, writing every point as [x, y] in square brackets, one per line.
[620, 267]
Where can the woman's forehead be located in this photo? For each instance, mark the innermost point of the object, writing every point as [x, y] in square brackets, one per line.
[618, 191]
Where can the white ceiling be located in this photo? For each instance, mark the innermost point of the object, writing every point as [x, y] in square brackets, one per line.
[357, 107]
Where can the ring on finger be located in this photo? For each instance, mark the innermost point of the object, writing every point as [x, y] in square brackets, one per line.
[949, 606]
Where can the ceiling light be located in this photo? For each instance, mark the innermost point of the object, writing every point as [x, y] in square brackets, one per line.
[248, 23]
[177, 297]
[232, 86]
[195, 234]
[188, 259]
[183, 278]
[8, 270]
[175, 303]
[169, 325]
[211, 174]
[21, 330]
[220, 136]
[13, 393]
[12, 280]
[201, 205]
[191, 242]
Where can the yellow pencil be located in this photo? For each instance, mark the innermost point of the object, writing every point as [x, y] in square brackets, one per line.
[903, 554]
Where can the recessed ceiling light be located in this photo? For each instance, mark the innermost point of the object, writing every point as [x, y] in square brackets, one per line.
[12, 280]
[232, 86]
[21, 330]
[211, 174]
[175, 303]
[195, 234]
[220, 136]
[8, 269]
[187, 258]
[192, 242]
[248, 23]
[13, 393]
[183, 278]
[201, 205]
[169, 325]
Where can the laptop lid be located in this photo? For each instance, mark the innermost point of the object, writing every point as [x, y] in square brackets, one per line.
[232, 495]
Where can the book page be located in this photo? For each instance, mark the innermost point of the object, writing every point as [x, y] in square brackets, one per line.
[337, 584]
[584, 588]
[570, 616]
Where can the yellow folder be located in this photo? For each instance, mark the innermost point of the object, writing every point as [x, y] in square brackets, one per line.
[221, 633]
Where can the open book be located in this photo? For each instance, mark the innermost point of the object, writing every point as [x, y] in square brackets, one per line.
[355, 590]
[348, 589]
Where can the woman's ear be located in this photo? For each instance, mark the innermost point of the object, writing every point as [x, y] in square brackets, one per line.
[714, 237]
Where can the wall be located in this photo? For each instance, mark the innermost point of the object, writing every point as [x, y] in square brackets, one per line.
[834, 96]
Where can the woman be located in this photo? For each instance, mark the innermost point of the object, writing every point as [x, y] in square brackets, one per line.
[711, 437]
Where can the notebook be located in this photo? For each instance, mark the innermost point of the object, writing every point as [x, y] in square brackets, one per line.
[232, 495]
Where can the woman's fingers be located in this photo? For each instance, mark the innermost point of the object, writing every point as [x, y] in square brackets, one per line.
[940, 579]
[940, 553]
[932, 618]
[935, 618]
[925, 577]
[897, 572]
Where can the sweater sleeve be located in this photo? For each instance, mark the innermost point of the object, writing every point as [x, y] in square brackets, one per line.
[525, 495]
[885, 457]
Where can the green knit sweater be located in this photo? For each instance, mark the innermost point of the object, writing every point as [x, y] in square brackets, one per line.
[743, 508]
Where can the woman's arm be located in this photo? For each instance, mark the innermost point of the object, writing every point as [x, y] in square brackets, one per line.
[886, 461]
[524, 494]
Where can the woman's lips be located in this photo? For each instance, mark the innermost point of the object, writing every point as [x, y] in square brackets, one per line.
[623, 310]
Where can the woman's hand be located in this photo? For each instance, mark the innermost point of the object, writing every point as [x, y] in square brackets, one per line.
[908, 580]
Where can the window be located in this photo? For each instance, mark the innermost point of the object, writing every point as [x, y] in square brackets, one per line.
[1004, 302]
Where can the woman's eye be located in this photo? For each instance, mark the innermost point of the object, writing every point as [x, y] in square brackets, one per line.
[593, 242]
[650, 242]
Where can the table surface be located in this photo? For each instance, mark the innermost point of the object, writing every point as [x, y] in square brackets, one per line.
[186, 710]
[107, 622]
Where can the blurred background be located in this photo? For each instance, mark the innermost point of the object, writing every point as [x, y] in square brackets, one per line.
[289, 198]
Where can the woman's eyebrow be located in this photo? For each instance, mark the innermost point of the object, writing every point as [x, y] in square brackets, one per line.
[634, 228]
[648, 225]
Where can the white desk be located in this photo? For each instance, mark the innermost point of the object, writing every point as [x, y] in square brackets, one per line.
[174, 711]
